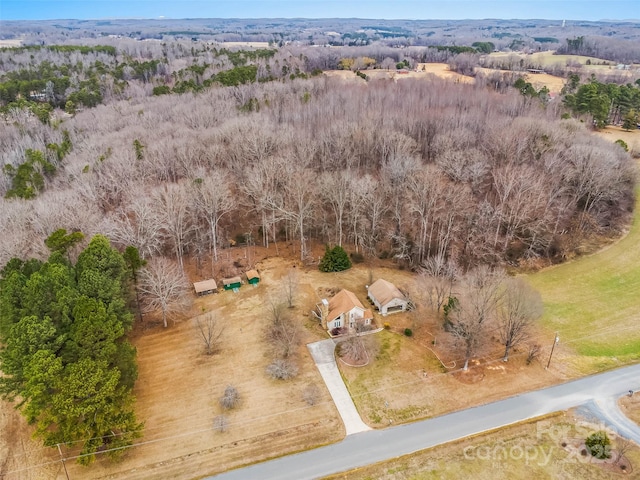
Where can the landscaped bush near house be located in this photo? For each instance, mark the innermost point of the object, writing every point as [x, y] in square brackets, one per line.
[599, 445]
[408, 332]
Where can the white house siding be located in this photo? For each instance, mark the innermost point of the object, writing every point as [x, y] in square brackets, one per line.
[396, 302]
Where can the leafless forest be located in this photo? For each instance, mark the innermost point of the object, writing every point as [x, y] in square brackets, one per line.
[408, 170]
[612, 40]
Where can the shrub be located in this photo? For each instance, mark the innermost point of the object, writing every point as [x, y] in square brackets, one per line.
[220, 424]
[533, 353]
[282, 369]
[230, 399]
[450, 306]
[623, 144]
[599, 445]
[161, 90]
[408, 332]
[334, 260]
[386, 326]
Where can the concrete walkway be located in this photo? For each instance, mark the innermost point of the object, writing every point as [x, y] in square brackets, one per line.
[323, 354]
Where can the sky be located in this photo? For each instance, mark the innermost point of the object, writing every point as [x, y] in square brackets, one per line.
[379, 9]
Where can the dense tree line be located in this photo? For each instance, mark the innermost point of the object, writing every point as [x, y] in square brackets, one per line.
[616, 41]
[64, 355]
[39, 79]
[407, 170]
[605, 102]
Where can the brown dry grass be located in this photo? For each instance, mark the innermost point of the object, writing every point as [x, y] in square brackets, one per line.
[423, 70]
[525, 450]
[178, 385]
[13, 42]
[245, 44]
[441, 70]
[631, 137]
[630, 406]
[177, 392]
[407, 381]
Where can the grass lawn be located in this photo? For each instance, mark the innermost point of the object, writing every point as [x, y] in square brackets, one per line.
[549, 59]
[527, 450]
[593, 304]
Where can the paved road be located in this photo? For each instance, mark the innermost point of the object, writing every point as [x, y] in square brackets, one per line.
[608, 410]
[322, 354]
[377, 445]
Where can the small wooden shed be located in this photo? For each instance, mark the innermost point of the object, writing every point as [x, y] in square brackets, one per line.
[252, 277]
[231, 283]
[205, 287]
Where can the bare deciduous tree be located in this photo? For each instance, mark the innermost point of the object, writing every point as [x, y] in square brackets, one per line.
[230, 398]
[290, 284]
[359, 348]
[213, 200]
[164, 287]
[139, 226]
[220, 423]
[465, 329]
[210, 331]
[533, 352]
[477, 303]
[282, 333]
[355, 348]
[520, 306]
[281, 369]
[623, 445]
[437, 277]
[334, 188]
[172, 211]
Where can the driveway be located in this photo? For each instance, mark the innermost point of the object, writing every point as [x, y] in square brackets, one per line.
[608, 410]
[323, 354]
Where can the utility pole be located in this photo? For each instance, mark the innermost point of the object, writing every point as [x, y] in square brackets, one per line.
[556, 340]
[62, 459]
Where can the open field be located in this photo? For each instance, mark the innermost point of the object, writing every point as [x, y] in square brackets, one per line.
[245, 44]
[425, 70]
[592, 303]
[14, 42]
[441, 70]
[631, 138]
[527, 450]
[549, 59]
